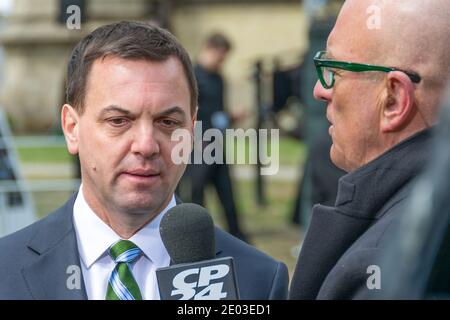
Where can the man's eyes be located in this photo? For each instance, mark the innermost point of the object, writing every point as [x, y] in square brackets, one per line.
[168, 122]
[118, 121]
[336, 72]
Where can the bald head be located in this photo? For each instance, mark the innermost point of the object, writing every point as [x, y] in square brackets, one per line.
[371, 112]
[408, 34]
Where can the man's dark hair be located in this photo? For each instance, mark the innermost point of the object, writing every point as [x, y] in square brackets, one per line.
[218, 41]
[127, 40]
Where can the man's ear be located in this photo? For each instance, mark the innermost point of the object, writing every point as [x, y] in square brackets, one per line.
[69, 123]
[399, 107]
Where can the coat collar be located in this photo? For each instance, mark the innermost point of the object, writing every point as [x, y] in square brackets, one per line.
[361, 196]
[363, 192]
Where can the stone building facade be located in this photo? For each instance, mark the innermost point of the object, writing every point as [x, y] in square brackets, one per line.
[36, 45]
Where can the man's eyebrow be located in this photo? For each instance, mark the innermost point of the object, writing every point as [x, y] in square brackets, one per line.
[114, 108]
[173, 110]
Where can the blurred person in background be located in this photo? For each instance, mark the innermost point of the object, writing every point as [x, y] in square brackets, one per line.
[213, 114]
[382, 76]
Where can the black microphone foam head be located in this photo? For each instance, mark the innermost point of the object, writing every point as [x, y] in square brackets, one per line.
[187, 231]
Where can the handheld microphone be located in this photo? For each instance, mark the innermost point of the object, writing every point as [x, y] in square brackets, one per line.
[187, 231]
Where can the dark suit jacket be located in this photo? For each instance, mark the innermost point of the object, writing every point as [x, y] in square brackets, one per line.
[35, 262]
[343, 241]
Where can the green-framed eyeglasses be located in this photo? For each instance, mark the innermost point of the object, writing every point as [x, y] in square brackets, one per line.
[326, 74]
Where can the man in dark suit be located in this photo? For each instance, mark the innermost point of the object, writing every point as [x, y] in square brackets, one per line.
[130, 87]
[381, 106]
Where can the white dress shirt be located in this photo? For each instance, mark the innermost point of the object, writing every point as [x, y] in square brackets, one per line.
[94, 237]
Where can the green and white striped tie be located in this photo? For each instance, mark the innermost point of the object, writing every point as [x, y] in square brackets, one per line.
[122, 285]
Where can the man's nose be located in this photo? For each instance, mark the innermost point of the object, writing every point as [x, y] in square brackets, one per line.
[145, 142]
[320, 93]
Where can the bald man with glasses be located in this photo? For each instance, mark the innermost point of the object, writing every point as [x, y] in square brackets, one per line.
[382, 86]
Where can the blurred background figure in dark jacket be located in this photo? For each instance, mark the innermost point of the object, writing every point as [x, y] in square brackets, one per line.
[212, 114]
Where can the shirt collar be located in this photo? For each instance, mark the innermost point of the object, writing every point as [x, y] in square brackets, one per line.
[95, 237]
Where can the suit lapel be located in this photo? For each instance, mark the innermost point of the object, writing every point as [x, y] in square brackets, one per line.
[56, 272]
